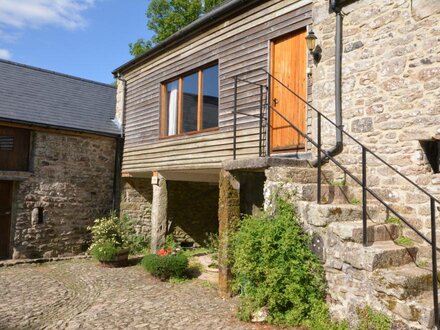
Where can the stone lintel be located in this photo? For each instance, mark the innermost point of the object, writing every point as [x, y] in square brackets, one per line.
[262, 163]
[14, 175]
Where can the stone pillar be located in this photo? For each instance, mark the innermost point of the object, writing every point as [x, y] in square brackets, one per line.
[158, 213]
[228, 216]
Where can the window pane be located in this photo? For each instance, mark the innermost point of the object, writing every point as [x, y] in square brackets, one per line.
[171, 106]
[210, 97]
[190, 101]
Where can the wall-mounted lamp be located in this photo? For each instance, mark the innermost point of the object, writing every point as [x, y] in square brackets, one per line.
[311, 46]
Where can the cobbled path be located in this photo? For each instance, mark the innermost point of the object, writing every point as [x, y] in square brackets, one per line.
[80, 294]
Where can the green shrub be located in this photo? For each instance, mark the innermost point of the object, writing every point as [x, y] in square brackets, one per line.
[273, 267]
[165, 267]
[104, 251]
[319, 319]
[117, 232]
[370, 319]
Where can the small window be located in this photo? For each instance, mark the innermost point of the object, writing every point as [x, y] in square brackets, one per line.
[190, 103]
[6, 143]
[432, 151]
[40, 215]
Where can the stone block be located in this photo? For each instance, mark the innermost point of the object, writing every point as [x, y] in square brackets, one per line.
[402, 282]
[378, 255]
[424, 8]
[353, 231]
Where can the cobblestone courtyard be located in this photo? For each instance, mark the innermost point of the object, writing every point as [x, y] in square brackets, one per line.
[81, 295]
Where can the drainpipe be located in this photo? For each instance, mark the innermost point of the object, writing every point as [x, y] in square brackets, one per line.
[118, 152]
[338, 147]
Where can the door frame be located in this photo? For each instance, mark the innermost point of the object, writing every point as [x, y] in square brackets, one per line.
[9, 236]
[270, 67]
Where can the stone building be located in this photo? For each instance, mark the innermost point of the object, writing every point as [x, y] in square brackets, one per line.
[58, 144]
[368, 86]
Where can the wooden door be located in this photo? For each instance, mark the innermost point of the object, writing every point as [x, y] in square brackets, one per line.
[5, 217]
[289, 57]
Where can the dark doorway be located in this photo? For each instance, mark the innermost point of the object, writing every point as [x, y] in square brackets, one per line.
[5, 217]
[251, 192]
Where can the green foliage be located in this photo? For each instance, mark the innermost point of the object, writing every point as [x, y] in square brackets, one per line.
[117, 232]
[212, 242]
[370, 319]
[170, 243]
[338, 183]
[422, 263]
[394, 220]
[140, 46]
[319, 319]
[166, 17]
[404, 241]
[104, 251]
[273, 267]
[165, 267]
[355, 201]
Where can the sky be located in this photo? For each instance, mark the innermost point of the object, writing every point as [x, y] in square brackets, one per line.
[84, 38]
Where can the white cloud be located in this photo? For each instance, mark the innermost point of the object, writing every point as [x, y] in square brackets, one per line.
[5, 54]
[22, 14]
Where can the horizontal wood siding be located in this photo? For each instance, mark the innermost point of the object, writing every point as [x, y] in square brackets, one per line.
[239, 45]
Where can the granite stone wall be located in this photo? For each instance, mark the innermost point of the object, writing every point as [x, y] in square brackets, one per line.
[192, 208]
[391, 89]
[71, 184]
[136, 200]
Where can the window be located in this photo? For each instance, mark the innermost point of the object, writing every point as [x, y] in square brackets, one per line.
[14, 148]
[190, 103]
[6, 143]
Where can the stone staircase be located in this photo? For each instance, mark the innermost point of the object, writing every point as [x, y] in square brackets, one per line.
[383, 274]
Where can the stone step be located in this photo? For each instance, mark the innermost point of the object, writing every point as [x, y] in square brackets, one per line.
[402, 282]
[378, 255]
[297, 175]
[321, 215]
[352, 231]
[329, 194]
[417, 310]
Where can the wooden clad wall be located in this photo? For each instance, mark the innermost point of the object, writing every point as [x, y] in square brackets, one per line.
[239, 45]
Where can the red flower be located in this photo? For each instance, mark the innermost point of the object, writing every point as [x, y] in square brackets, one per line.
[164, 252]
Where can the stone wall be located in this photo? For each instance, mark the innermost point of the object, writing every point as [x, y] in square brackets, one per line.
[136, 199]
[192, 207]
[382, 275]
[72, 181]
[391, 89]
[192, 210]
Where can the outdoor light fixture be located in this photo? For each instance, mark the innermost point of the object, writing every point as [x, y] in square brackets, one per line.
[311, 46]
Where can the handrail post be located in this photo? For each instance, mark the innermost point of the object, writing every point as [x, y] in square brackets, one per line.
[235, 117]
[434, 265]
[260, 137]
[268, 132]
[318, 192]
[364, 196]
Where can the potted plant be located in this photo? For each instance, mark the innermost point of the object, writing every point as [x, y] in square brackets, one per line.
[113, 238]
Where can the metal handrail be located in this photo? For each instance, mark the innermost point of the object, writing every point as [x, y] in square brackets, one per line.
[363, 182]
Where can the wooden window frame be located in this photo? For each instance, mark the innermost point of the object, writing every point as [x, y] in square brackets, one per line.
[164, 111]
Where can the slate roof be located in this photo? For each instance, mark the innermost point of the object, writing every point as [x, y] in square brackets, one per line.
[35, 96]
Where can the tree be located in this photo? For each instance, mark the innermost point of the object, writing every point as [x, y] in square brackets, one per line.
[166, 17]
